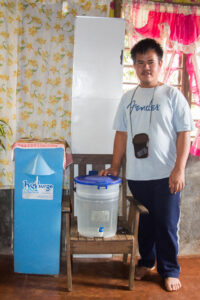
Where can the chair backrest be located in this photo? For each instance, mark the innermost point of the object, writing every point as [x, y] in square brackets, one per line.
[96, 162]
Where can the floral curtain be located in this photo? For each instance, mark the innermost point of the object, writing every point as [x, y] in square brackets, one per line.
[36, 55]
[176, 27]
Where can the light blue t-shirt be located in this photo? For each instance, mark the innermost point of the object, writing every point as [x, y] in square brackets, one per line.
[169, 112]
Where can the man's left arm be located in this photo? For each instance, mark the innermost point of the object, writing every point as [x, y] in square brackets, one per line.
[177, 177]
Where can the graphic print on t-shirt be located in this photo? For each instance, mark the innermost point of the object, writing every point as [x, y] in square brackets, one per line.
[150, 107]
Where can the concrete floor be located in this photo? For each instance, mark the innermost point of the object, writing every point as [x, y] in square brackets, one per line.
[96, 279]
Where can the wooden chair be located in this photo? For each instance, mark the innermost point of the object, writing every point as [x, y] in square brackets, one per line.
[124, 242]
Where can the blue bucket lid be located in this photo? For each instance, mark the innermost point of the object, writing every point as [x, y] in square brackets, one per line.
[99, 181]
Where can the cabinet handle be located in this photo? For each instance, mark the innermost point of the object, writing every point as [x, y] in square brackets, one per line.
[121, 57]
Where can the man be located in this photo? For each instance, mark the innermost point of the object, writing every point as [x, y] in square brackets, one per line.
[153, 125]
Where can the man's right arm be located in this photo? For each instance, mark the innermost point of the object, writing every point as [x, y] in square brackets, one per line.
[118, 152]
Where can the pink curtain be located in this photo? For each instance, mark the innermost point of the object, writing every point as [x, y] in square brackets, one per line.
[176, 27]
[195, 148]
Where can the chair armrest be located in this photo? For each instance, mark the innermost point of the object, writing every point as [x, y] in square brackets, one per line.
[66, 208]
[142, 209]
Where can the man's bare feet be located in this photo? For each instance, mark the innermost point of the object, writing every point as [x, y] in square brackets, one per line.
[140, 272]
[172, 284]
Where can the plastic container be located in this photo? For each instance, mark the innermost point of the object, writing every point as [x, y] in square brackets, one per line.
[97, 205]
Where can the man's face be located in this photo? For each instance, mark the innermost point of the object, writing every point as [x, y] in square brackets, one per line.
[147, 67]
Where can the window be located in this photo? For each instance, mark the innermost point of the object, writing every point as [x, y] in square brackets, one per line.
[129, 75]
[178, 79]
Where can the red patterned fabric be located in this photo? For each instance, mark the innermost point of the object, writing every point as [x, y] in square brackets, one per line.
[176, 27]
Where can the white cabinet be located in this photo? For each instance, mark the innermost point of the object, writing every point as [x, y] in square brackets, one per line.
[97, 82]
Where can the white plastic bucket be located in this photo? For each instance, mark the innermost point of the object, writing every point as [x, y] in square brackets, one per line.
[97, 205]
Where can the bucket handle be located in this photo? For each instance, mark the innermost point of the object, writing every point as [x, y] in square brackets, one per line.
[101, 185]
[93, 172]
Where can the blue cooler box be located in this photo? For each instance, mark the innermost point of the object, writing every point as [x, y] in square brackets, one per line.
[37, 210]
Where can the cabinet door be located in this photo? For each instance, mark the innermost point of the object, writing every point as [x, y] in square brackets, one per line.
[97, 82]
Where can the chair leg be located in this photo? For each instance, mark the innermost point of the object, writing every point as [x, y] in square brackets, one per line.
[69, 275]
[68, 256]
[131, 273]
[132, 266]
[134, 249]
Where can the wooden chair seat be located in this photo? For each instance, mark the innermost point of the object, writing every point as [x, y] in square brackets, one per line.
[117, 236]
[125, 240]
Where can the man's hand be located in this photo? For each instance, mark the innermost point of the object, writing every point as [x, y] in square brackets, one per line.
[177, 180]
[110, 171]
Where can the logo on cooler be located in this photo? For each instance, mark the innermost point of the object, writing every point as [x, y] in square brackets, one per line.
[37, 190]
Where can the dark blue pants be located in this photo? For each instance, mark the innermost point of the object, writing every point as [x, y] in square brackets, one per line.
[158, 231]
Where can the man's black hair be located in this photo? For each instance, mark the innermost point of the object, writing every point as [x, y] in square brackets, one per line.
[144, 45]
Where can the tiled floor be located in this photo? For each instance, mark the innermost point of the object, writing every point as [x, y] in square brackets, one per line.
[96, 279]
